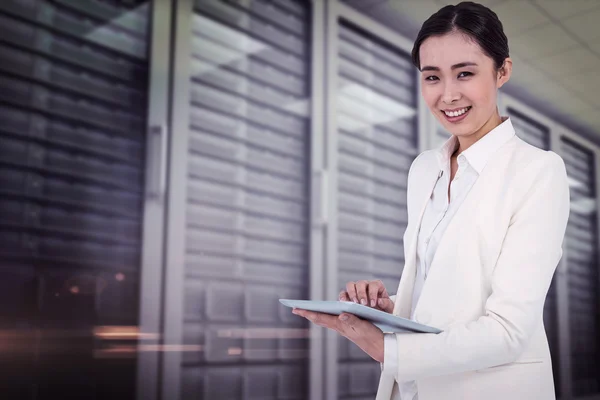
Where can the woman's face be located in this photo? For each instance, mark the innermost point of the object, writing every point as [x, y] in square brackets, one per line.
[460, 84]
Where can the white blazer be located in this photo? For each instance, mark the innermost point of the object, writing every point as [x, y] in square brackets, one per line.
[487, 283]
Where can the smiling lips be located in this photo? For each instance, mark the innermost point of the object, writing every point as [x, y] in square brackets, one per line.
[456, 113]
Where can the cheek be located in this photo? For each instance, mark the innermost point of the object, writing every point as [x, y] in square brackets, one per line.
[482, 93]
[430, 96]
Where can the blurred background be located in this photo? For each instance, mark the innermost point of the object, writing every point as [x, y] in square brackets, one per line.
[169, 169]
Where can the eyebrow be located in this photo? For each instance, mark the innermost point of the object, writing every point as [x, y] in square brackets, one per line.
[455, 66]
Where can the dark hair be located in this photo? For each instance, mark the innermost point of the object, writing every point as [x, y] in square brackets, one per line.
[473, 19]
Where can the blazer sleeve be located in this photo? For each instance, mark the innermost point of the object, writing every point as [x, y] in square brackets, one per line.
[530, 252]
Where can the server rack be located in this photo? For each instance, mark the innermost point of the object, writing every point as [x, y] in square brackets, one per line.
[239, 200]
[73, 93]
[583, 275]
[377, 142]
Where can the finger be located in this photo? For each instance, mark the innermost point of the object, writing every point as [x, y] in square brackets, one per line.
[373, 290]
[321, 319]
[386, 305]
[382, 292]
[300, 312]
[343, 296]
[351, 289]
[361, 292]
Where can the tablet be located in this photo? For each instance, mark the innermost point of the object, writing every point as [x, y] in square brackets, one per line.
[384, 321]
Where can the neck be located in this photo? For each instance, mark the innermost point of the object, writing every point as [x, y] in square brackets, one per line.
[464, 142]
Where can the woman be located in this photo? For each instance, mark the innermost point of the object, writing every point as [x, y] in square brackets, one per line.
[487, 215]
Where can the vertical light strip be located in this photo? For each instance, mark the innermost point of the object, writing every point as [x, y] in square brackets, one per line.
[153, 235]
[177, 197]
[331, 162]
[318, 231]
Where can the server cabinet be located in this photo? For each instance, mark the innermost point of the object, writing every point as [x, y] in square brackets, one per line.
[582, 262]
[239, 201]
[372, 139]
[73, 97]
[377, 141]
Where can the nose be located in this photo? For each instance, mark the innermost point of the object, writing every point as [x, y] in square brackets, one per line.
[450, 94]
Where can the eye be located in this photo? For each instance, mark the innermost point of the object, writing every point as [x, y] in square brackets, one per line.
[431, 78]
[465, 74]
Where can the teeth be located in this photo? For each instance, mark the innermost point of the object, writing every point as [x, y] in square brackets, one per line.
[457, 112]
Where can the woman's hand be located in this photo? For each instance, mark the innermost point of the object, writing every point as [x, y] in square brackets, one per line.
[362, 333]
[368, 293]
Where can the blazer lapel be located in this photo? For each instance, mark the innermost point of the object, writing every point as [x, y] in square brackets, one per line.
[451, 237]
[403, 302]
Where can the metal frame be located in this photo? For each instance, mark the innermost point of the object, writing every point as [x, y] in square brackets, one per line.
[151, 276]
[330, 387]
[319, 191]
[178, 171]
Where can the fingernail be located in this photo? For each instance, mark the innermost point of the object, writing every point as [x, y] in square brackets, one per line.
[311, 317]
[381, 301]
[355, 300]
[344, 317]
[372, 303]
[363, 302]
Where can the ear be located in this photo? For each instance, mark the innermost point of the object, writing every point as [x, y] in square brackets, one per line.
[504, 73]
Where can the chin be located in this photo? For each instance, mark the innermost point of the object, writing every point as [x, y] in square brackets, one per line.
[458, 130]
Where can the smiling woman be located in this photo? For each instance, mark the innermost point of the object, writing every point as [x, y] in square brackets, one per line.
[487, 214]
